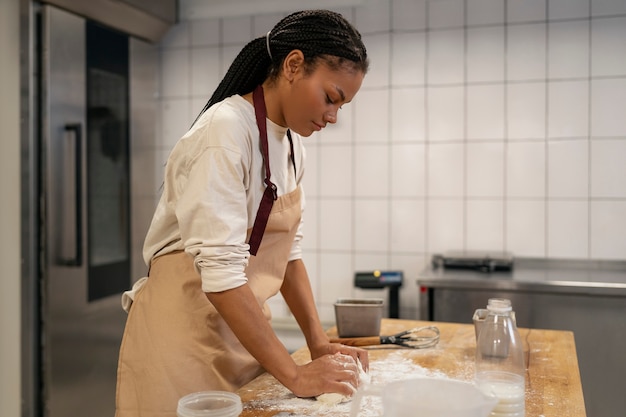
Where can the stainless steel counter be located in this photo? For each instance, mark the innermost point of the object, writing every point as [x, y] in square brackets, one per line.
[586, 297]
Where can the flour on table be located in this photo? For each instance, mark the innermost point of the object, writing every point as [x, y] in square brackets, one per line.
[393, 368]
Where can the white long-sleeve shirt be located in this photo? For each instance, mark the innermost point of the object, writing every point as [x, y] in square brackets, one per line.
[212, 188]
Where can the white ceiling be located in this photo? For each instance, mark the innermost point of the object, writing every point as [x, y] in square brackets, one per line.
[205, 9]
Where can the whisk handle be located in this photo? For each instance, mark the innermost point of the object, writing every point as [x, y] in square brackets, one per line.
[358, 341]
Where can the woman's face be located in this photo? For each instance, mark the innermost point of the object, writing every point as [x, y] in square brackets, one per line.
[314, 99]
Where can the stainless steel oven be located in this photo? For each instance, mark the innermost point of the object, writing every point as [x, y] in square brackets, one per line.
[90, 81]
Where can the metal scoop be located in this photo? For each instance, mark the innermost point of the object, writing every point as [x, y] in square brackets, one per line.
[415, 338]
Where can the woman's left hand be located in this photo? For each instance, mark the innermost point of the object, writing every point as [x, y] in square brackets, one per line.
[358, 354]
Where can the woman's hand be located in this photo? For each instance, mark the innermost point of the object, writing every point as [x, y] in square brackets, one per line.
[357, 354]
[336, 373]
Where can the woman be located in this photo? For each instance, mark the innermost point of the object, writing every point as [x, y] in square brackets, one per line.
[225, 235]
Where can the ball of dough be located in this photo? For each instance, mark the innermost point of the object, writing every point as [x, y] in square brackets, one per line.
[333, 398]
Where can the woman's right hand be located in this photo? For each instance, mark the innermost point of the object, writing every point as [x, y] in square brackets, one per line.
[335, 373]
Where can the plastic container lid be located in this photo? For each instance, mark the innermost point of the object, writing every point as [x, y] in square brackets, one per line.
[209, 404]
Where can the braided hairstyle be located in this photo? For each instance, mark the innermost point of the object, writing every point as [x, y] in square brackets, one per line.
[319, 34]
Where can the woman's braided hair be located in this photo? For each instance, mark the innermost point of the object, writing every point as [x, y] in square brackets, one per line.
[319, 34]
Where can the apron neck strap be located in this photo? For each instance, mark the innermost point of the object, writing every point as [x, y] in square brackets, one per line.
[270, 194]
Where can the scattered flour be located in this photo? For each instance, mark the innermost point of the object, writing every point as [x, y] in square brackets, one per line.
[394, 367]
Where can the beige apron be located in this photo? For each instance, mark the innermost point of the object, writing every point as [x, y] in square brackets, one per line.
[175, 342]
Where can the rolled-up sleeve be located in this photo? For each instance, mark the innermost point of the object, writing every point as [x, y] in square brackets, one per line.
[213, 219]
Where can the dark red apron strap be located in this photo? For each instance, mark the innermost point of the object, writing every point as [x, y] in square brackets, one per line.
[270, 194]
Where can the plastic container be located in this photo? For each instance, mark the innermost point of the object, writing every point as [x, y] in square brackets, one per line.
[358, 317]
[481, 314]
[425, 397]
[500, 367]
[209, 404]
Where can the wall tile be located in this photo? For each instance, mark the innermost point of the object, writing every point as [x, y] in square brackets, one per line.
[311, 226]
[336, 277]
[373, 17]
[608, 230]
[371, 225]
[568, 109]
[485, 112]
[408, 59]
[608, 106]
[342, 131]
[568, 169]
[445, 225]
[485, 169]
[178, 36]
[526, 52]
[526, 169]
[408, 118]
[607, 7]
[526, 110]
[485, 12]
[261, 24]
[526, 227]
[370, 262]
[408, 170]
[485, 225]
[371, 111]
[445, 113]
[412, 115]
[175, 119]
[229, 53]
[567, 229]
[411, 265]
[336, 177]
[408, 14]
[313, 167]
[607, 47]
[445, 170]
[445, 57]
[568, 9]
[371, 170]
[311, 260]
[143, 181]
[608, 168]
[407, 229]
[378, 52]
[205, 71]
[485, 54]
[175, 73]
[205, 32]
[568, 49]
[237, 30]
[196, 104]
[445, 14]
[526, 11]
[143, 210]
[335, 224]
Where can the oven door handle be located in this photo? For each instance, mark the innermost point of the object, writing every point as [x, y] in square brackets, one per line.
[72, 236]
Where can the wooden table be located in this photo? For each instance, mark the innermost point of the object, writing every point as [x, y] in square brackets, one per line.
[553, 386]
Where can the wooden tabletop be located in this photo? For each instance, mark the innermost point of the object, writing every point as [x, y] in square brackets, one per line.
[553, 386]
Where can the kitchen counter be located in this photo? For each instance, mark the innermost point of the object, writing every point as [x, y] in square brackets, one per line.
[553, 385]
[597, 278]
[585, 297]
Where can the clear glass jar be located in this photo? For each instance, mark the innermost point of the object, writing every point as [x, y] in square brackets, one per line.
[500, 367]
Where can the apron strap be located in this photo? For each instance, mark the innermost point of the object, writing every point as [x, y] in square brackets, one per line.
[270, 194]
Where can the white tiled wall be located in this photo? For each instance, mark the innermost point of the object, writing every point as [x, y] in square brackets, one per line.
[483, 124]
